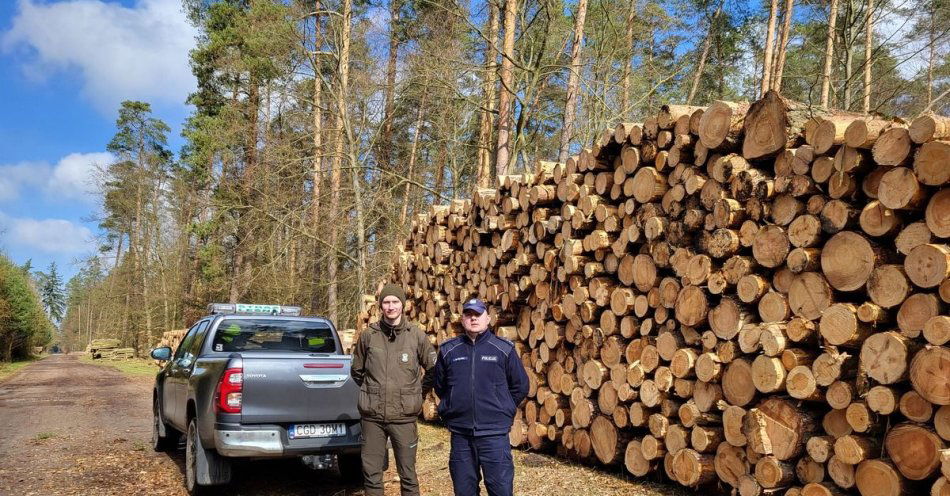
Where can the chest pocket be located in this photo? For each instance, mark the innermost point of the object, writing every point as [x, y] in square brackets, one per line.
[459, 368]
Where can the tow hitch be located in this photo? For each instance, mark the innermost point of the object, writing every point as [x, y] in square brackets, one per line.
[319, 462]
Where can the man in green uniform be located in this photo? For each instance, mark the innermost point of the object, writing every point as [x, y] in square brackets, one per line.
[388, 361]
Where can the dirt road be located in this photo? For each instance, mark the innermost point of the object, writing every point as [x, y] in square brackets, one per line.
[72, 428]
[68, 427]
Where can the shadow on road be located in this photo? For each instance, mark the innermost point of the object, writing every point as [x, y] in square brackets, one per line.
[286, 476]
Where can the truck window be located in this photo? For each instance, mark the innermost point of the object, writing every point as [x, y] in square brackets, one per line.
[195, 348]
[273, 335]
[186, 341]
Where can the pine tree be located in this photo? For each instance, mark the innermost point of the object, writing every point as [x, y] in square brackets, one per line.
[52, 294]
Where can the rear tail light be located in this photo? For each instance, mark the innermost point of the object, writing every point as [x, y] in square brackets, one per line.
[228, 398]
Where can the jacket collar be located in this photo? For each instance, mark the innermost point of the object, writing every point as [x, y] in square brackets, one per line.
[481, 337]
[392, 331]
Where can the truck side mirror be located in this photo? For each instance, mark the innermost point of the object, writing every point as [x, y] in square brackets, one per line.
[162, 354]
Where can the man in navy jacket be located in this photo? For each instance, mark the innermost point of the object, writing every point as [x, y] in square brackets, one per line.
[480, 381]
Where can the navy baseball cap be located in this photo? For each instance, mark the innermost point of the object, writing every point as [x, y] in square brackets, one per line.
[475, 305]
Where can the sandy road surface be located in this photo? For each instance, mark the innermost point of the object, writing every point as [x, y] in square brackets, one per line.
[68, 427]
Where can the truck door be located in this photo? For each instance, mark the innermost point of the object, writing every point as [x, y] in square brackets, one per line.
[174, 391]
[188, 367]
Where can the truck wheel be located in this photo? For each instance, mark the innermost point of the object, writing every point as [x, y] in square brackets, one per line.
[351, 468]
[160, 442]
[203, 467]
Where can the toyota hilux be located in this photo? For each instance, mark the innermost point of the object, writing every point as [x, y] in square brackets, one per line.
[256, 381]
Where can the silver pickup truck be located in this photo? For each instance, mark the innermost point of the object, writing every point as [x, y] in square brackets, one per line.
[256, 381]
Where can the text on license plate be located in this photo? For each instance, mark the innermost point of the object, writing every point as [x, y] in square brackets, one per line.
[316, 430]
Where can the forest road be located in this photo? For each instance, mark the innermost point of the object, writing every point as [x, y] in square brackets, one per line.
[72, 428]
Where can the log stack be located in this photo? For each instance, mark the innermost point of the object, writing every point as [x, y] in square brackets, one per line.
[98, 347]
[745, 295]
[171, 339]
[116, 354]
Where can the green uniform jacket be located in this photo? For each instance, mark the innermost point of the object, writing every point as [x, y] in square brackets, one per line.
[388, 369]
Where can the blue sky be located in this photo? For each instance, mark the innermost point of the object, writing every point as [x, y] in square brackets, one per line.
[64, 68]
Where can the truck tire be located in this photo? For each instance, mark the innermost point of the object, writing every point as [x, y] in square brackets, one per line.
[351, 468]
[164, 437]
[203, 467]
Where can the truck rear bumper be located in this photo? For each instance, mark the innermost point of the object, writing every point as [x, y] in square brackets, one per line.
[272, 441]
[248, 443]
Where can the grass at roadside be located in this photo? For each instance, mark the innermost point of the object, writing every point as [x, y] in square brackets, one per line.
[9, 368]
[135, 367]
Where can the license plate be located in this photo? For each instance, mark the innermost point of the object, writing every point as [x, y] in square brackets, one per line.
[298, 431]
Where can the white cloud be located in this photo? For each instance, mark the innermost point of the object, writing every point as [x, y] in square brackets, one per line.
[73, 178]
[14, 178]
[122, 53]
[47, 235]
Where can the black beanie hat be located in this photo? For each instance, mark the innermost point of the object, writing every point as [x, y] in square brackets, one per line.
[392, 290]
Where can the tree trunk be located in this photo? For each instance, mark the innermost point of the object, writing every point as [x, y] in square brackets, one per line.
[769, 46]
[707, 43]
[413, 152]
[628, 45]
[356, 172]
[315, 205]
[505, 102]
[146, 293]
[930, 59]
[829, 54]
[783, 46]
[573, 81]
[848, 43]
[484, 175]
[440, 160]
[390, 91]
[868, 40]
[140, 246]
[336, 173]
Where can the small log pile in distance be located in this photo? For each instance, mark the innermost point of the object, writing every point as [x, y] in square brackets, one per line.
[752, 296]
[98, 347]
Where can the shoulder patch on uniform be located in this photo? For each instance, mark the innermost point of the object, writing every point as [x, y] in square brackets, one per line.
[502, 347]
[448, 345]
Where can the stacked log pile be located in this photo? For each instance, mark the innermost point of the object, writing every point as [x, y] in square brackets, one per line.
[171, 339]
[98, 347]
[748, 295]
[347, 337]
[115, 354]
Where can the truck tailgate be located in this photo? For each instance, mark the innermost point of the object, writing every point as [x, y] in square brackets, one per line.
[290, 388]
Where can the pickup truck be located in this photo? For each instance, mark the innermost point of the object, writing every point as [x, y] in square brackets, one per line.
[256, 381]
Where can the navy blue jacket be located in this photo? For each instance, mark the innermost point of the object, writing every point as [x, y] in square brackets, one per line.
[479, 384]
